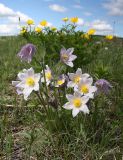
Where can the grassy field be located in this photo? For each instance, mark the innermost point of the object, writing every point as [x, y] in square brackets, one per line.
[98, 137]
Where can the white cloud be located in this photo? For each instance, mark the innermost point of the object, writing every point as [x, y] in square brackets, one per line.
[5, 11]
[101, 27]
[114, 7]
[23, 18]
[80, 22]
[78, 6]
[11, 18]
[57, 8]
[6, 29]
[87, 13]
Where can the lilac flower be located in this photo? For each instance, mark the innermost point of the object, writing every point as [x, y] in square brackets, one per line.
[103, 86]
[67, 57]
[26, 53]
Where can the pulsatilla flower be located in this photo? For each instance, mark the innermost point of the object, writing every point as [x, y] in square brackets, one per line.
[67, 57]
[85, 87]
[30, 22]
[109, 37]
[103, 86]
[91, 31]
[74, 19]
[75, 78]
[43, 23]
[27, 82]
[47, 75]
[76, 103]
[61, 80]
[26, 53]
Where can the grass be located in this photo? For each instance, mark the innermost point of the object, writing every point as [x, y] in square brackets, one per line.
[25, 132]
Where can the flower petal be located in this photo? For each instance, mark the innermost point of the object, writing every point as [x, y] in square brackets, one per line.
[85, 99]
[77, 94]
[30, 72]
[36, 87]
[85, 75]
[21, 84]
[69, 97]
[69, 63]
[19, 91]
[14, 83]
[70, 51]
[70, 84]
[93, 89]
[22, 76]
[79, 71]
[68, 106]
[75, 112]
[72, 57]
[63, 50]
[85, 109]
[27, 92]
[37, 77]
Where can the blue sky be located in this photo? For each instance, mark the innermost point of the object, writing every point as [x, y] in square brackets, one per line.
[98, 14]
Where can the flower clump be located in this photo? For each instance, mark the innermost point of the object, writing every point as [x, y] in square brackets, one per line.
[79, 86]
[70, 81]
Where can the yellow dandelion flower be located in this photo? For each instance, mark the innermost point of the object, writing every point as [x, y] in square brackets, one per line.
[43, 23]
[109, 37]
[91, 31]
[38, 29]
[30, 22]
[74, 19]
[23, 30]
[65, 19]
[85, 35]
[53, 28]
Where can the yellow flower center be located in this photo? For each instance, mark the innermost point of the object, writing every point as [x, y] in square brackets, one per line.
[77, 79]
[77, 102]
[60, 82]
[30, 81]
[84, 89]
[65, 57]
[48, 75]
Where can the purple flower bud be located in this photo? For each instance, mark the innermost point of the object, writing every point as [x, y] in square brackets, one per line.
[103, 86]
[26, 53]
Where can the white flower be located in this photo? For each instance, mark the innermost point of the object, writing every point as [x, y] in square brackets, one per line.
[85, 87]
[27, 82]
[75, 78]
[67, 57]
[48, 75]
[77, 103]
